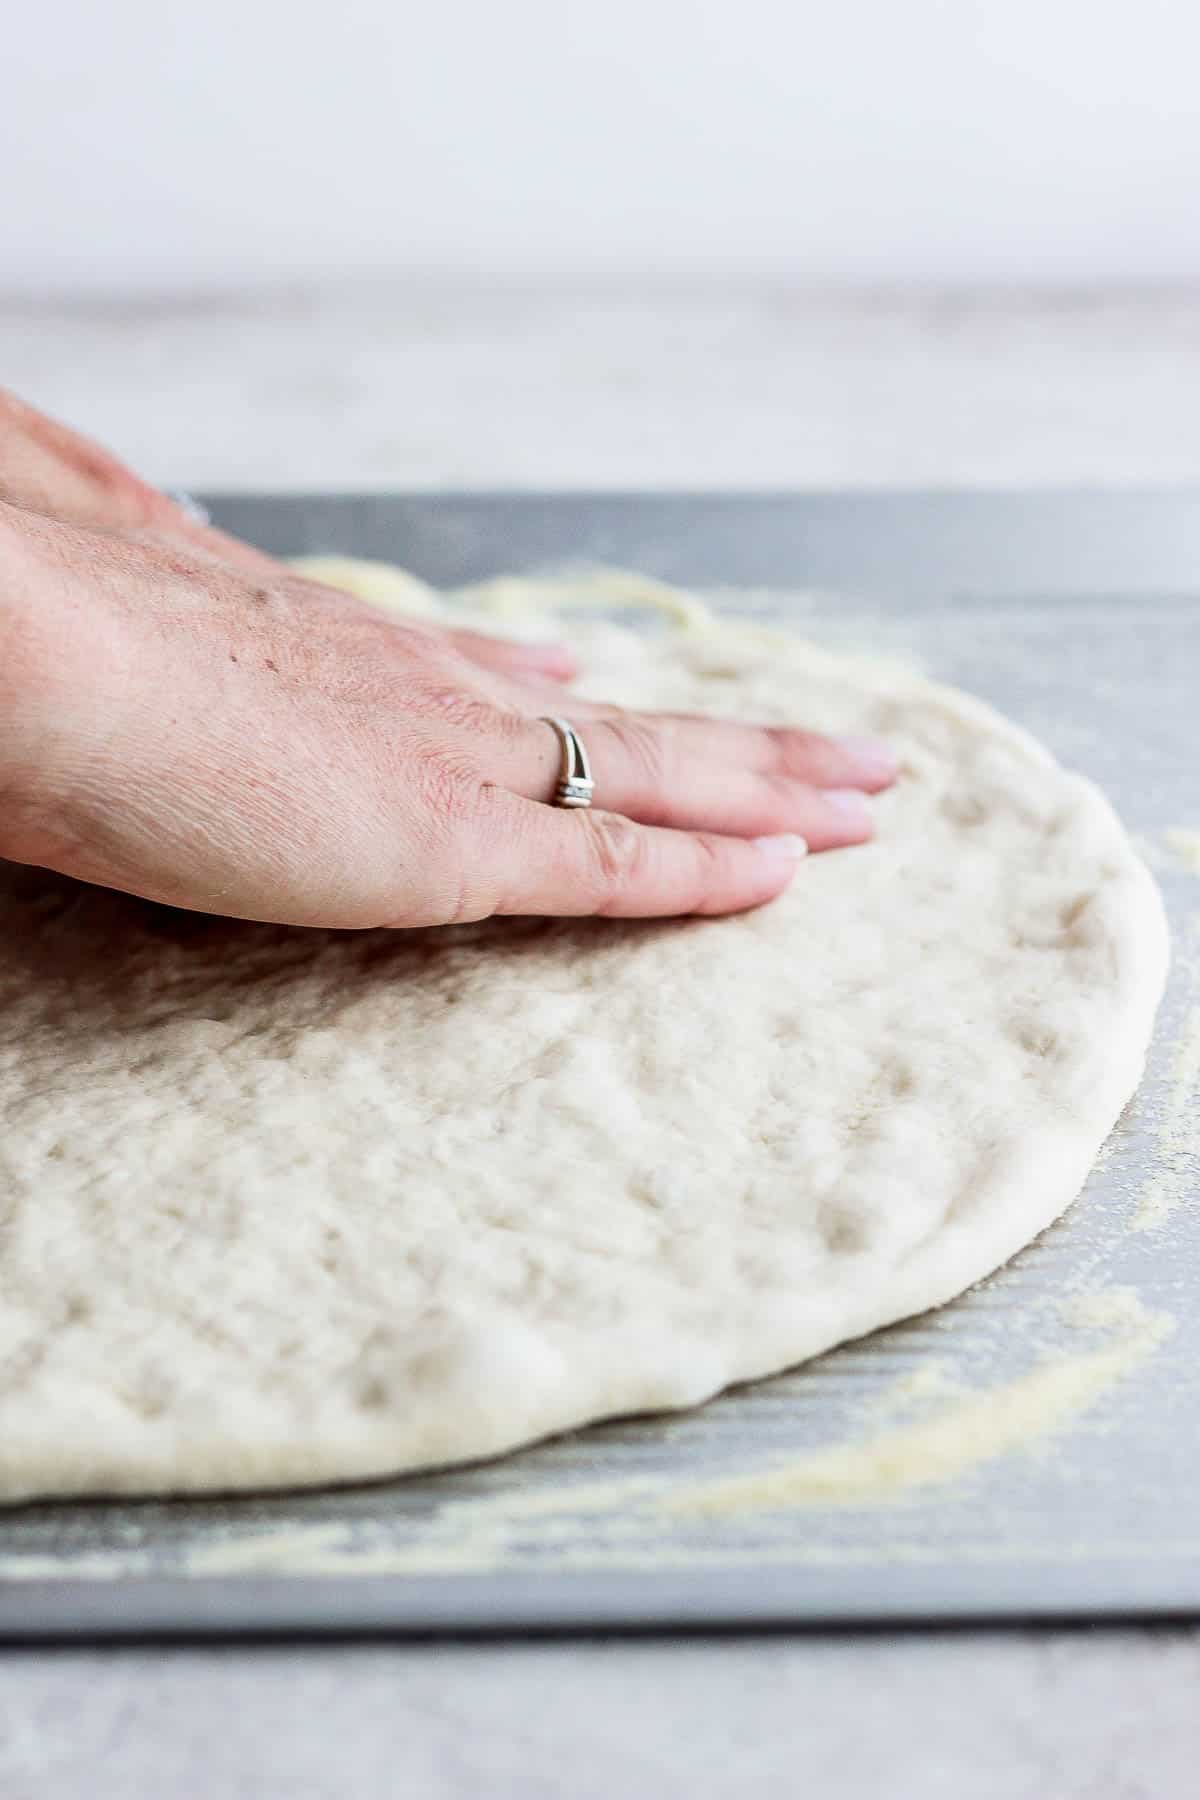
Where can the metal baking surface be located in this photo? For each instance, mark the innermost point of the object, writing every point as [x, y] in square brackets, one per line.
[1080, 617]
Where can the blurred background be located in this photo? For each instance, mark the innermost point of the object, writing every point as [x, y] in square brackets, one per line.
[665, 243]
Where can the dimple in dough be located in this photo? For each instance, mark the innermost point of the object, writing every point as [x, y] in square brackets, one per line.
[284, 1208]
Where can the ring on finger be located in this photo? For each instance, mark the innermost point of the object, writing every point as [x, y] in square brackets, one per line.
[575, 785]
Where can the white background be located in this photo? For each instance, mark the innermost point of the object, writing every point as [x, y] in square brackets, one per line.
[149, 146]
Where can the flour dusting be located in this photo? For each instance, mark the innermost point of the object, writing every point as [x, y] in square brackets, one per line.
[988, 1423]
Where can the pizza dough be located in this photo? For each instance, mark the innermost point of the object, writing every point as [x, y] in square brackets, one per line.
[288, 1207]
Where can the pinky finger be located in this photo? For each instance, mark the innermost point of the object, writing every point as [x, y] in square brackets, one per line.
[569, 864]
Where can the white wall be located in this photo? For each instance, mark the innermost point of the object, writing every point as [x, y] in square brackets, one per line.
[145, 144]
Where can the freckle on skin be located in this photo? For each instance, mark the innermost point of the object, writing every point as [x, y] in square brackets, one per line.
[232, 656]
[271, 665]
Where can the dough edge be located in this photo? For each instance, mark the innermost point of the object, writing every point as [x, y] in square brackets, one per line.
[576, 1386]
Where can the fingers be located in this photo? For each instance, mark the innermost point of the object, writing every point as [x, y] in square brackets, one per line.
[545, 860]
[548, 662]
[663, 740]
[705, 775]
[500, 656]
[47, 468]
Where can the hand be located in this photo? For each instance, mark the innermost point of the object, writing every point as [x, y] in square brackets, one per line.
[49, 469]
[236, 740]
[465, 706]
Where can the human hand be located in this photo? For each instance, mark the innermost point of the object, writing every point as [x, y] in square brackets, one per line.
[48, 468]
[234, 739]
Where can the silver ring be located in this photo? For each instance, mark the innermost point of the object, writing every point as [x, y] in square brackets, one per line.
[575, 782]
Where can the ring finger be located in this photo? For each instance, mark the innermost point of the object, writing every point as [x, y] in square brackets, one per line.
[709, 775]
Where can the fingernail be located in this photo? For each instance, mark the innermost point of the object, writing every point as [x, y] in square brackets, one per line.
[876, 759]
[786, 848]
[849, 804]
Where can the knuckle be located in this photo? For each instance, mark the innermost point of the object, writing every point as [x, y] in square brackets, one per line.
[792, 751]
[449, 785]
[705, 869]
[469, 874]
[616, 856]
[446, 834]
[444, 696]
[781, 745]
[461, 901]
[779, 797]
[645, 744]
[445, 895]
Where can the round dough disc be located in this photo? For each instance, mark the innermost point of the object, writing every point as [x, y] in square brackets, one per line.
[289, 1207]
